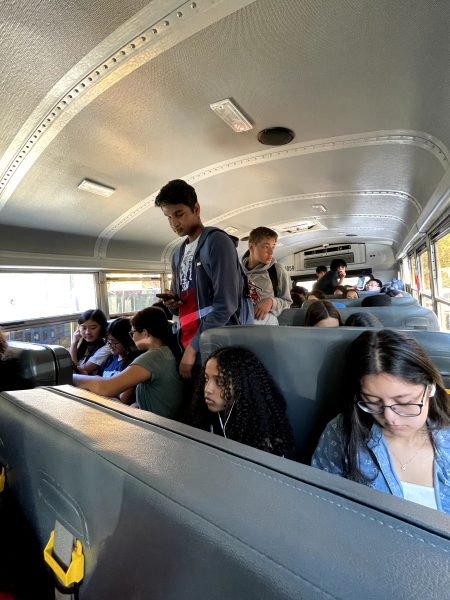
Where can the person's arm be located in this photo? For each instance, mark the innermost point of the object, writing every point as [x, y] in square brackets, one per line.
[226, 281]
[330, 452]
[74, 345]
[283, 300]
[95, 361]
[115, 385]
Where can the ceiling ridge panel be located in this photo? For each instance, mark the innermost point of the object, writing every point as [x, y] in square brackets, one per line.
[139, 40]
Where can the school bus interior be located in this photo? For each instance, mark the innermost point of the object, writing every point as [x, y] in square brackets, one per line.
[338, 138]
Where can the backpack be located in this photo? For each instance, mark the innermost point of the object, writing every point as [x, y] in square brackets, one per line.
[274, 279]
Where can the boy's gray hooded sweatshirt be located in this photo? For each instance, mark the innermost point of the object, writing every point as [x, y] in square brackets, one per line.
[261, 284]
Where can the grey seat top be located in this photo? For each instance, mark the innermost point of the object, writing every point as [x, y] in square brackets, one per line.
[408, 316]
[307, 364]
[166, 512]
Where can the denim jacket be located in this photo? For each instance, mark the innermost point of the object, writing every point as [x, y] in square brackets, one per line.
[330, 456]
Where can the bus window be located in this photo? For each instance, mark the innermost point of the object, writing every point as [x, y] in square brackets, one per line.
[425, 287]
[39, 295]
[442, 252]
[129, 292]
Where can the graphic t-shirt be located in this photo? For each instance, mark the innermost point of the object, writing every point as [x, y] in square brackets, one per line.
[188, 310]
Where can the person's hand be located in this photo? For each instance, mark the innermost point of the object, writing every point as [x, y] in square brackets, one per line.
[262, 308]
[187, 362]
[76, 336]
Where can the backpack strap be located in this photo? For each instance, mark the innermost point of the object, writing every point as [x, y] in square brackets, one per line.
[274, 279]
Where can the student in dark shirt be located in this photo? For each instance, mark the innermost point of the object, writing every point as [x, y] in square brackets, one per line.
[335, 276]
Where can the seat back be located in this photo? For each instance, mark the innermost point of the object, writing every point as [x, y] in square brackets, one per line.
[409, 316]
[167, 512]
[395, 301]
[28, 365]
[307, 364]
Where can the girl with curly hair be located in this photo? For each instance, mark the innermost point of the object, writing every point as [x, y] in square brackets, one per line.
[237, 399]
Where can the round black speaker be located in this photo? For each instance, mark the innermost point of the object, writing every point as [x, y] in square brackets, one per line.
[276, 136]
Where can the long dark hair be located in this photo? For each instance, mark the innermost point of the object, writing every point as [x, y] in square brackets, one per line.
[155, 322]
[394, 353]
[120, 330]
[86, 350]
[258, 417]
[320, 310]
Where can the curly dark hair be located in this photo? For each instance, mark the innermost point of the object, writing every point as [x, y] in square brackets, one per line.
[258, 416]
[392, 352]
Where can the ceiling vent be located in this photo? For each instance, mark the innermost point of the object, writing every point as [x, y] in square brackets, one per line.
[303, 226]
[353, 254]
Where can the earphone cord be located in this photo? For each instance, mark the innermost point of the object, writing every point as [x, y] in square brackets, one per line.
[226, 420]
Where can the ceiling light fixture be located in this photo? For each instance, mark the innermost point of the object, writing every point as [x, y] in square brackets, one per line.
[232, 116]
[96, 188]
[320, 207]
[231, 230]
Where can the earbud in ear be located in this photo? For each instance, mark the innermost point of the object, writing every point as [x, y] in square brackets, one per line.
[432, 390]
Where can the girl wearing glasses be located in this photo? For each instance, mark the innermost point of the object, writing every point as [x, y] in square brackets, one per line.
[394, 433]
[154, 373]
[123, 352]
[237, 399]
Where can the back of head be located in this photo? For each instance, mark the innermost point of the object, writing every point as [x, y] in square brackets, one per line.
[319, 310]
[97, 315]
[120, 330]
[394, 353]
[176, 191]
[321, 270]
[297, 300]
[336, 263]
[318, 295]
[153, 320]
[340, 290]
[377, 300]
[259, 234]
[360, 319]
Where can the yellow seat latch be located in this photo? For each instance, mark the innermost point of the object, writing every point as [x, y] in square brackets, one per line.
[75, 571]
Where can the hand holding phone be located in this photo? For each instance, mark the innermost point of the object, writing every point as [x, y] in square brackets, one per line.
[167, 297]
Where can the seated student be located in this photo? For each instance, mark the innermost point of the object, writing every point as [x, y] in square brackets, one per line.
[373, 285]
[237, 399]
[298, 295]
[394, 433]
[316, 295]
[335, 276]
[340, 290]
[360, 319]
[376, 300]
[123, 353]
[154, 373]
[322, 314]
[351, 293]
[88, 349]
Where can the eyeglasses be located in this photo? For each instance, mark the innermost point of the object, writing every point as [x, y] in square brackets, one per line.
[132, 332]
[402, 410]
[113, 344]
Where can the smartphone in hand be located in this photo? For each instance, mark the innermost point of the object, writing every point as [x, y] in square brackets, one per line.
[168, 296]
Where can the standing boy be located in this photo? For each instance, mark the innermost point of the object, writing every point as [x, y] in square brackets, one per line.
[268, 280]
[207, 283]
